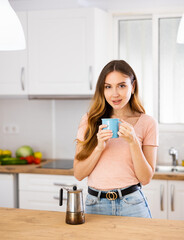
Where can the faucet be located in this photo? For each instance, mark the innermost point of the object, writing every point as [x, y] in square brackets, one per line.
[174, 153]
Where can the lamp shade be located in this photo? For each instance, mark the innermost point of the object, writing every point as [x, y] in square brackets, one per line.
[11, 31]
[180, 36]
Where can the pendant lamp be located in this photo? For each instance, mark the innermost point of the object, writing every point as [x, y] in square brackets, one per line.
[11, 31]
[180, 36]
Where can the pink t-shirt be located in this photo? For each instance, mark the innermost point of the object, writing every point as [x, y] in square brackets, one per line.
[115, 167]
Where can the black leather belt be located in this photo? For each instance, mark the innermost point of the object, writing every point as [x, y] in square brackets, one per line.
[113, 195]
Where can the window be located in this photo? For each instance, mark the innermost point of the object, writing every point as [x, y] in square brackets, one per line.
[149, 45]
[135, 47]
[171, 72]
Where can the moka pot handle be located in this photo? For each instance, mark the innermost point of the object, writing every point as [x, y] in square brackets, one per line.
[61, 197]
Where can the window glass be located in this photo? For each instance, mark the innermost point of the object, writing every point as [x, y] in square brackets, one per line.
[171, 72]
[135, 47]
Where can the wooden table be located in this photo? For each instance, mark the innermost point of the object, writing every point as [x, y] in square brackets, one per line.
[20, 224]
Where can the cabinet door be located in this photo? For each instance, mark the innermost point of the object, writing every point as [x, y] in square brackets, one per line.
[60, 52]
[13, 68]
[66, 50]
[176, 200]
[156, 194]
[8, 190]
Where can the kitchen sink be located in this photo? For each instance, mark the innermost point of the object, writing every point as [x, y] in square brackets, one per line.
[163, 168]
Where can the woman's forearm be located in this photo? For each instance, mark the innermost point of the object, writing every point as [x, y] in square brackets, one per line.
[82, 168]
[143, 169]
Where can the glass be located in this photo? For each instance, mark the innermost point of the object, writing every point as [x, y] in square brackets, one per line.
[171, 72]
[135, 47]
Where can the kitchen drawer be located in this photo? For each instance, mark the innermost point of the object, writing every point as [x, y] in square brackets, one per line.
[41, 201]
[41, 192]
[48, 183]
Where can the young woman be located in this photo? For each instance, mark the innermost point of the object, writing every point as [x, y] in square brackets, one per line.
[116, 167]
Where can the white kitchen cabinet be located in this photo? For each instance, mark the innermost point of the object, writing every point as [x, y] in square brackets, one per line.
[41, 192]
[176, 200]
[8, 190]
[156, 194]
[165, 198]
[67, 50]
[13, 68]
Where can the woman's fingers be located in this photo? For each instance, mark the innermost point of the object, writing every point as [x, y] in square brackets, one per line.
[126, 131]
[104, 134]
[102, 126]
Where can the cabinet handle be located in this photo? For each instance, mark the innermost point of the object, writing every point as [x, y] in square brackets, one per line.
[22, 78]
[172, 197]
[90, 77]
[162, 197]
[57, 198]
[64, 185]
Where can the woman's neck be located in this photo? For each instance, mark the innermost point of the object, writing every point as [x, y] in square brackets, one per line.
[126, 112]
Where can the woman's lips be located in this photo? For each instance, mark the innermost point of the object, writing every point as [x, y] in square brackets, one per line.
[116, 102]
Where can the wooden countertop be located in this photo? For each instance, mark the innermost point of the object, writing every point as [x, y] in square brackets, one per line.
[168, 176]
[20, 224]
[33, 168]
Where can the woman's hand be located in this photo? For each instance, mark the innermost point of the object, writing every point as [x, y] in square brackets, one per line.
[102, 136]
[126, 131]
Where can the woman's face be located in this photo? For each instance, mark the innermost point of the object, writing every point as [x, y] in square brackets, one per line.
[118, 89]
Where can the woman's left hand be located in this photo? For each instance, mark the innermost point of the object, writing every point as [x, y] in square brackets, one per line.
[126, 131]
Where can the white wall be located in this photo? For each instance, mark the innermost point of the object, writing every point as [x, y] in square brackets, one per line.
[49, 126]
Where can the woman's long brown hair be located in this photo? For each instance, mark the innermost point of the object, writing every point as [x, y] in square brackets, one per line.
[101, 109]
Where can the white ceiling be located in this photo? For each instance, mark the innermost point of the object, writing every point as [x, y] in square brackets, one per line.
[109, 5]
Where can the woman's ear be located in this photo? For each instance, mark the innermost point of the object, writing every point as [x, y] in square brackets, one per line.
[133, 87]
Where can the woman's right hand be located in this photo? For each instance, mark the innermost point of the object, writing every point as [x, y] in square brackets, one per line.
[102, 136]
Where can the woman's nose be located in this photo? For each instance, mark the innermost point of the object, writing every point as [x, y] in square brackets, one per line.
[115, 92]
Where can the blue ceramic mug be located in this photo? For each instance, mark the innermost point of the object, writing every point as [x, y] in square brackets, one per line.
[112, 124]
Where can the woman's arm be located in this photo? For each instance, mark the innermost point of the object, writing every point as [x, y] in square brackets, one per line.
[144, 159]
[83, 168]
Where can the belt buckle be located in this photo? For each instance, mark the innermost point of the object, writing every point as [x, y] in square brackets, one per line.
[111, 196]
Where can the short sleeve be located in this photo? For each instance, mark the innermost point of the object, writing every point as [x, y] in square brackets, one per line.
[151, 132]
[82, 127]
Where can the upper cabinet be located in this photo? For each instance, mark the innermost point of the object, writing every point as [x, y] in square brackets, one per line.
[13, 68]
[67, 50]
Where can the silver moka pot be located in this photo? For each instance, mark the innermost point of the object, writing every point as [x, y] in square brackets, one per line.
[75, 206]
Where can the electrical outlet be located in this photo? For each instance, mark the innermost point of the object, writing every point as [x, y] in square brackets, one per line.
[14, 129]
[10, 129]
[6, 129]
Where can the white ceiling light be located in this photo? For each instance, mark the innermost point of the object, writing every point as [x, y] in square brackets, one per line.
[180, 36]
[11, 32]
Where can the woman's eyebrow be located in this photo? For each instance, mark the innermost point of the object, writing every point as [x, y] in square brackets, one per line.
[121, 83]
[117, 83]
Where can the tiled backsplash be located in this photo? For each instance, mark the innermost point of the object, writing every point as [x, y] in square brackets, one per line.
[50, 126]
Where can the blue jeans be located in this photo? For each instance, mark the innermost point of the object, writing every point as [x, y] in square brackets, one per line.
[131, 205]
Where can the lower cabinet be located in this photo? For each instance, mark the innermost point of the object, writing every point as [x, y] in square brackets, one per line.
[166, 199]
[41, 192]
[8, 190]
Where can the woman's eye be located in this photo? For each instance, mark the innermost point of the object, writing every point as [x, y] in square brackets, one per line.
[107, 86]
[122, 86]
